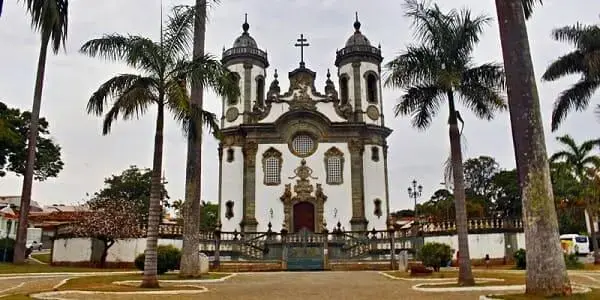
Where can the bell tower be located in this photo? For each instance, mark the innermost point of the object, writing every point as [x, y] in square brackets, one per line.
[359, 71]
[248, 64]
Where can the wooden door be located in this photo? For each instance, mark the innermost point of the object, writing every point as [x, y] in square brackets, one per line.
[304, 216]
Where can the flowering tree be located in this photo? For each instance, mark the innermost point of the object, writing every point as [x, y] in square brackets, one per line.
[108, 220]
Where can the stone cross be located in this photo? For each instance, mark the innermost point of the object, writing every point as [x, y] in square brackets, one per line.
[301, 43]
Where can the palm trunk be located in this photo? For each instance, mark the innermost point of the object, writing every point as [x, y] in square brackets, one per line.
[190, 260]
[150, 279]
[546, 271]
[593, 222]
[19, 254]
[465, 275]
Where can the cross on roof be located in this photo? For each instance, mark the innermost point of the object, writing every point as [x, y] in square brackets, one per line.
[301, 43]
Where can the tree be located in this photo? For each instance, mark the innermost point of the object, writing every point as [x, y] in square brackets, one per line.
[441, 67]
[592, 197]
[584, 60]
[190, 261]
[435, 255]
[14, 130]
[107, 221]
[546, 270]
[165, 72]
[132, 185]
[577, 157]
[209, 216]
[50, 19]
[506, 194]
[478, 181]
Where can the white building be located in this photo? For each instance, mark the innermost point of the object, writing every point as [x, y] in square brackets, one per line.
[302, 158]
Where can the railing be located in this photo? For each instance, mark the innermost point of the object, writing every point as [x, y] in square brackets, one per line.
[473, 225]
[244, 51]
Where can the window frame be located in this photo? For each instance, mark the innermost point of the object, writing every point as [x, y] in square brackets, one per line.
[272, 154]
[334, 153]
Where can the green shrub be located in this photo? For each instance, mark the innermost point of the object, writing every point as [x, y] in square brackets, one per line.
[168, 259]
[521, 259]
[572, 262]
[7, 245]
[435, 255]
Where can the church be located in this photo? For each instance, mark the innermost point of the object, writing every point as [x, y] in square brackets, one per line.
[304, 158]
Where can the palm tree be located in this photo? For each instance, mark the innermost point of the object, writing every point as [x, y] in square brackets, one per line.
[441, 68]
[165, 71]
[50, 19]
[190, 261]
[578, 157]
[592, 200]
[584, 60]
[546, 270]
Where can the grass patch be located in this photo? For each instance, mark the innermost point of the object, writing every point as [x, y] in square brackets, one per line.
[509, 278]
[7, 268]
[105, 283]
[593, 295]
[43, 257]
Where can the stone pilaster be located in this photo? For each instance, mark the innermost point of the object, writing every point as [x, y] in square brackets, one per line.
[385, 170]
[247, 91]
[249, 222]
[358, 113]
[357, 149]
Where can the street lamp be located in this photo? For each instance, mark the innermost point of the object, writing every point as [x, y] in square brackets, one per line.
[415, 192]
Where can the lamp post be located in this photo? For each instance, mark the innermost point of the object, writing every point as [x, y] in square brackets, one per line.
[8, 227]
[415, 192]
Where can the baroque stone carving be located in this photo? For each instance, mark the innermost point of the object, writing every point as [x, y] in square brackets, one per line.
[373, 112]
[250, 149]
[304, 193]
[356, 146]
[232, 114]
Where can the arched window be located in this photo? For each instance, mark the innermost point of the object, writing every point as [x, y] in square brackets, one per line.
[334, 166]
[272, 161]
[260, 91]
[236, 79]
[344, 89]
[372, 88]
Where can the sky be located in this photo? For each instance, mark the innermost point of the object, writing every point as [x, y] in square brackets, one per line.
[90, 157]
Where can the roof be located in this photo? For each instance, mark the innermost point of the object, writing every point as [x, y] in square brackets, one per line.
[16, 201]
[357, 39]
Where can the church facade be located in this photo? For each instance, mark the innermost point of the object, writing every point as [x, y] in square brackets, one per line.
[302, 158]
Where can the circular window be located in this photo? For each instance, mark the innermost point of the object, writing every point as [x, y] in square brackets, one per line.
[303, 145]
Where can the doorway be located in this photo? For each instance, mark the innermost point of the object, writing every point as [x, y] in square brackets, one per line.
[304, 216]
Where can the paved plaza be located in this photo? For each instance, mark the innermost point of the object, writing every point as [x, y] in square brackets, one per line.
[283, 285]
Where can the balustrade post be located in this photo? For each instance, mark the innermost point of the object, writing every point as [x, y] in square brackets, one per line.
[325, 248]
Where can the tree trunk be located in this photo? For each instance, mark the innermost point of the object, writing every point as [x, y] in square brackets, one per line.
[465, 275]
[593, 222]
[19, 253]
[150, 279]
[107, 245]
[190, 260]
[546, 271]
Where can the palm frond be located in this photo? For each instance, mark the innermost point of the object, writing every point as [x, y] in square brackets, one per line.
[132, 102]
[577, 97]
[587, 146]
[416, 66]
[572, 34]
[468, 30]
[430, 24]
[138, 52]
[568, 141]
[591, 160]
[481, 90]
[178, 32]
[528, 6]
[561, 156]
[209, 72]
[111, 88]
[422, 103]
[568, 64]
[51, 19]
[187, 114]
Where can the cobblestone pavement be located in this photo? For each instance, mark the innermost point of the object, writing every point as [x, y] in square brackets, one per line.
[295, 286]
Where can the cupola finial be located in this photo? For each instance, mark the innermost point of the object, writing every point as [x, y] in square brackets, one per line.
[357, 23]
[245, 26]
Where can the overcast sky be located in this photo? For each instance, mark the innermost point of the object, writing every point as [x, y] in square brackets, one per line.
[275, 24]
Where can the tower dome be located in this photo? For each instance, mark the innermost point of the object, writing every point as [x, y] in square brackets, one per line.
[358, 45]
[245, 47]
[357, 38]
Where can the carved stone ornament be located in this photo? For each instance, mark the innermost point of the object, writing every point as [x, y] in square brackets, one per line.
[373, 112]
[302, 100]
[304, 193]
[232, 114]
[356, 146]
